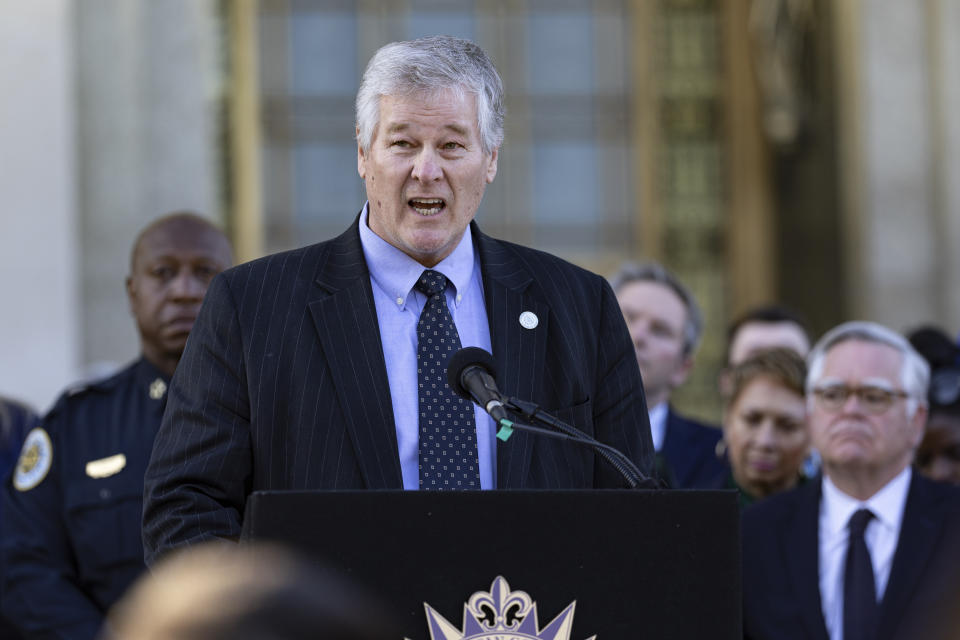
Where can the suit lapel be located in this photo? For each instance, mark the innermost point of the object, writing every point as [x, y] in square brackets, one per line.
[915, 546]
[345, 319]
[801, 553]
[519, 352]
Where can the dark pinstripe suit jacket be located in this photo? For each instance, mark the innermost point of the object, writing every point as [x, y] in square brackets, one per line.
[283, 385]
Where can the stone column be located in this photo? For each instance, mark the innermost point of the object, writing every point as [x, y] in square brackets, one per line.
[39, 287]
[900, 151]
[149, 108]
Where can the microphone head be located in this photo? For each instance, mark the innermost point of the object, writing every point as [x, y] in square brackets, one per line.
[468, 357]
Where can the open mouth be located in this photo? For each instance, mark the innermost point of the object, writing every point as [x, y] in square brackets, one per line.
[427, 206]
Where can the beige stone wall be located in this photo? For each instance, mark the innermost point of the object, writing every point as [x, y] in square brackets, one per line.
[149, 95]
[39, 286]
[111, 116]
[900, 157]
[947, 158]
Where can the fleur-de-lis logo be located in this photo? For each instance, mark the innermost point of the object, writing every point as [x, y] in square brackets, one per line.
[501, 614]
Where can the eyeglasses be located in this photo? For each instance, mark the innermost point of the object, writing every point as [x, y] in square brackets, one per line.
[874, 400]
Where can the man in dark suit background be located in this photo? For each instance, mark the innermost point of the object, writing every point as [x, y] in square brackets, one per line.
[766, 327]
[304, 369]
[665, 326]
[871, 549]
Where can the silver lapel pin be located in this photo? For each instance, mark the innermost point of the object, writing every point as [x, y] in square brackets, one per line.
[529, 320]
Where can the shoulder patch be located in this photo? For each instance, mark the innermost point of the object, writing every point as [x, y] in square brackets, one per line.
[35, 461]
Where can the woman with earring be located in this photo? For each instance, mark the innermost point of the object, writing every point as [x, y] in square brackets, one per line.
[765, 433]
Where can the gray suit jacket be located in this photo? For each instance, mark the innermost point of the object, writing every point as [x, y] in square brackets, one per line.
[283, 385]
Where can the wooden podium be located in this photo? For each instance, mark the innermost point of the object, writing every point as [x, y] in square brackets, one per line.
[639, 564]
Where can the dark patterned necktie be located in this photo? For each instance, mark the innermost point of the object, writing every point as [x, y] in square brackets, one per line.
[860, 609]
[448, 435]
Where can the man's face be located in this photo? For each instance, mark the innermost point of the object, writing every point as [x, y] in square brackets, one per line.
[425, 172]
[171, 270]
[852, 438]
[757, 336]
[655, 316]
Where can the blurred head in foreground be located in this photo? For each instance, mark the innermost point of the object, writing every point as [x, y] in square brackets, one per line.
[221, 591]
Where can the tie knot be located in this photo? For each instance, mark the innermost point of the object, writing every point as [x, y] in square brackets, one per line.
[859, 521]
[431, 282]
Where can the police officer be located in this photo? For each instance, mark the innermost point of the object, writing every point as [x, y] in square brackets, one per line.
[16, 420]
[71, 542]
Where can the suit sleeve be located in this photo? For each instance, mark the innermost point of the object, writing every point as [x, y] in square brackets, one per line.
[620, 406]
[197, 480]
[42, 594]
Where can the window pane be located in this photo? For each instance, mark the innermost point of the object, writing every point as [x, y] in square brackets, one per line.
[323, 61]
[436, 23]
[565, 181]
[327, 189]
[560, 52]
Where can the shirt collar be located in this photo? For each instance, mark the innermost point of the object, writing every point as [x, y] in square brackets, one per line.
[147, 372]
[395, 272]
[887, 504]
[659, 413]
[658, 425]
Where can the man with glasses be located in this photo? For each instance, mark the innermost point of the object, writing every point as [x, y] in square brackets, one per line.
[871, 550]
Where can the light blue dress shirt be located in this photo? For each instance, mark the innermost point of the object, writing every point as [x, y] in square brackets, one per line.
[392, 275]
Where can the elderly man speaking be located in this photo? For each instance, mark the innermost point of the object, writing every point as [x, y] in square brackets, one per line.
[872, 549]
[325, 367]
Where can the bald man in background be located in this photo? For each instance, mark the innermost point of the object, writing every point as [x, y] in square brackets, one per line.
[71, 539]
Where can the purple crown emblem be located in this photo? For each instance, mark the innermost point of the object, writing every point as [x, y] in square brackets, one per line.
[501, 614]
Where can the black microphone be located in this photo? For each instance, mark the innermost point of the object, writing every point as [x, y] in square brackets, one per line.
[472, 374]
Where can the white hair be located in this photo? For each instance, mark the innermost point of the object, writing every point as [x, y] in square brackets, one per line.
[914, 372]
[431, 65]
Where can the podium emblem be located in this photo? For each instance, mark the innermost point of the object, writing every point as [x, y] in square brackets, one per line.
[501, 614]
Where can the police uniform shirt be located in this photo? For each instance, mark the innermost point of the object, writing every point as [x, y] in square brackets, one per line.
[15, 421]
[73, 505]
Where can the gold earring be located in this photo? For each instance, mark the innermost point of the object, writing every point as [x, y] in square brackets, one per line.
[721, 449]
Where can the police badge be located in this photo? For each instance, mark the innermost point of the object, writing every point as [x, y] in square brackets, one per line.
[36, 457]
